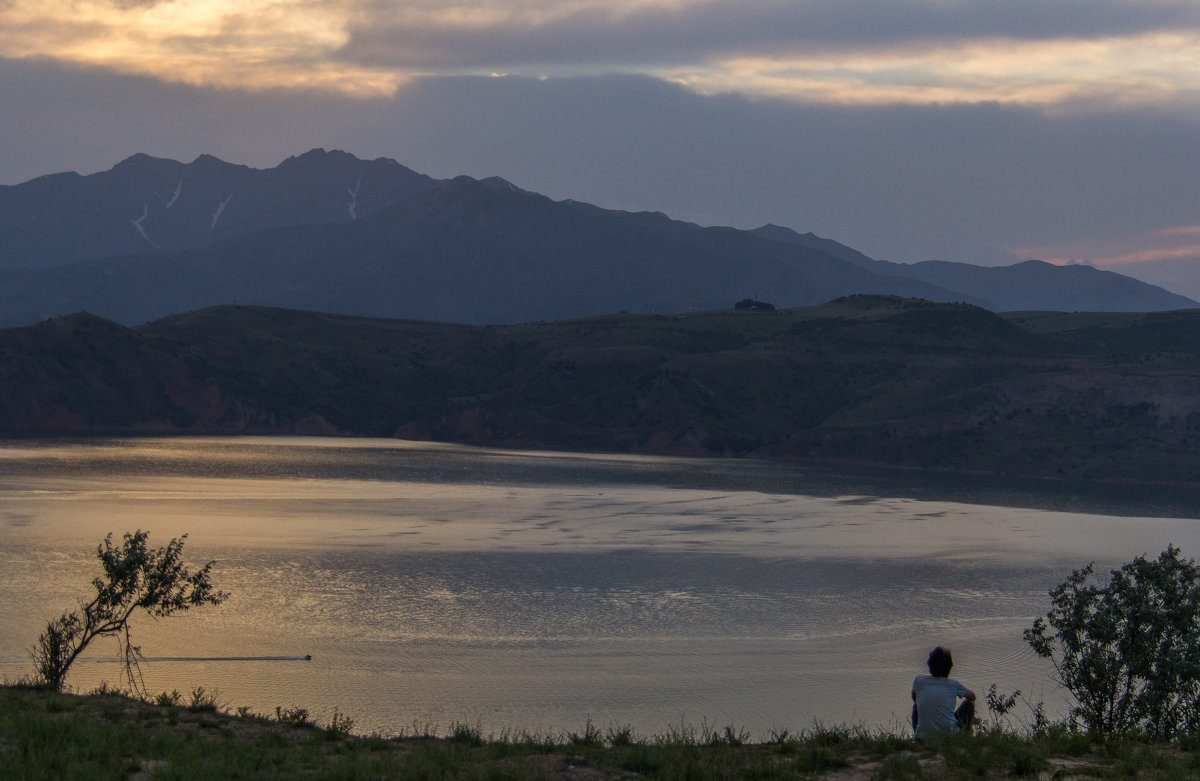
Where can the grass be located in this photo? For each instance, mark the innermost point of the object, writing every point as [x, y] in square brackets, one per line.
[110, 735]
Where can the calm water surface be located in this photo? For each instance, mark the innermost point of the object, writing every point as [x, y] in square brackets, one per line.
[435, 584]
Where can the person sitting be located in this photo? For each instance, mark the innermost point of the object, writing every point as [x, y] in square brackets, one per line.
[935, 695]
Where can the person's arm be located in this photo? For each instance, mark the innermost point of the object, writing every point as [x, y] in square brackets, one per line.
[970, 695]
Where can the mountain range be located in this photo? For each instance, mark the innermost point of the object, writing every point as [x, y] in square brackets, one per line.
[327, 231]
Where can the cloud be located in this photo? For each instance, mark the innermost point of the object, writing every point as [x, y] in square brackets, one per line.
[868, 51]
[1148, 70]
[232, 43]
[1180, 242]
[647, 32]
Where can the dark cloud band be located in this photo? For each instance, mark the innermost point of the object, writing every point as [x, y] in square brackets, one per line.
[694, 33]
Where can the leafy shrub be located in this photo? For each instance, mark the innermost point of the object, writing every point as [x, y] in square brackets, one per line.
[169, 699]
[591, 736]
[464, 733]
[339, 725]
[620, 736]
[728, 736]
[107, 690]
[202, 700]
[292, 717]
[1128, 651]
[1000, 705]
[754, 305]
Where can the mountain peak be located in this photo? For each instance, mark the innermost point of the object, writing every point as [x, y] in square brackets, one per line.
[139, 160]
[771, 230]
[497, 183]
[145, 203]
[320, 154]
[209, 164]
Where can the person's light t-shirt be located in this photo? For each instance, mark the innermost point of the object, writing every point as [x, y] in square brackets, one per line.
[936, 698]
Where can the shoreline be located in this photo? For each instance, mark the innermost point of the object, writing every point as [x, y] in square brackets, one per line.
[795, 476]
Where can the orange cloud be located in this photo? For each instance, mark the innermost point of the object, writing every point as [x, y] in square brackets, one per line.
[235, 43]
[1179, 242]
[1135, 70]
[309, 43]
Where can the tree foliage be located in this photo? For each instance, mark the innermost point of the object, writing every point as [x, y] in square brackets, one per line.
[755, 305]
[134, 578]
[1128, 651]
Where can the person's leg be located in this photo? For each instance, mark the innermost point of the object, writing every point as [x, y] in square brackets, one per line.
[965, 715]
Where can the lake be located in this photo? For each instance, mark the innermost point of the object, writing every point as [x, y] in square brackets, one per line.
[531, 591]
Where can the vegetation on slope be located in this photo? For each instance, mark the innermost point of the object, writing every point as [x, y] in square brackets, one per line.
[108, 735]
[863, 379]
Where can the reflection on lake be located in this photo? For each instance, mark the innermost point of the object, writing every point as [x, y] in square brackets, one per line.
[532, 591]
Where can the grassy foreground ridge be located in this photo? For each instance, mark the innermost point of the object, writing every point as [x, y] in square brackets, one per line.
[107, 735]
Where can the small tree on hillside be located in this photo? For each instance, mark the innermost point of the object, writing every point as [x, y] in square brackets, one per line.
[1129, 651]
[754, 305]
[135, 578]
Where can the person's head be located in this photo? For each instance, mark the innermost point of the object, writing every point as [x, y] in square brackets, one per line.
[940, 662]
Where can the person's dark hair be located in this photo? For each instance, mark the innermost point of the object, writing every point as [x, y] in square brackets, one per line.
[940, 662]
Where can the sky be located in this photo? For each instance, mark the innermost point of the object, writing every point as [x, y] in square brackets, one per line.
[983, 131]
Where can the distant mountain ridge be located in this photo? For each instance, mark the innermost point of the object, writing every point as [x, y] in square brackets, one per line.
[327, 231]
[463, 251]
[1026, 286]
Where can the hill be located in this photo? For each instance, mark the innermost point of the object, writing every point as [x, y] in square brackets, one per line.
[329, 232]
[863, 379]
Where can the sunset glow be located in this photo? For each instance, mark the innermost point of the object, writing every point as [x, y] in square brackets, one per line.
[1181, 242]
[364, 47]
[1145, 69]
[259, 43]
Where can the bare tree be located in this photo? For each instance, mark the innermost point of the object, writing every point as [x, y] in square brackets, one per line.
[135, 578]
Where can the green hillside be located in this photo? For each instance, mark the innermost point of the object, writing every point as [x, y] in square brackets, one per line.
[863, 379]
